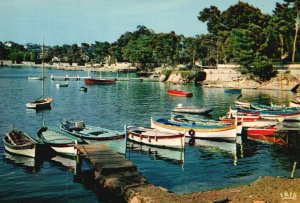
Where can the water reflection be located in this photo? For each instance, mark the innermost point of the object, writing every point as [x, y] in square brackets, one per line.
[30, 164]
[155, 153]
[231, 149]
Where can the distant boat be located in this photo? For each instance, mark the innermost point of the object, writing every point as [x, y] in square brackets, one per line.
[295, 104]
[62, 85]
[42, 102]
[192, 109]
[83, 89]
[59, 141]
[99, 81]
[179, 93]
[232, 90]
[242, 104]
[156, 138]
[20, 143]
[34, 78]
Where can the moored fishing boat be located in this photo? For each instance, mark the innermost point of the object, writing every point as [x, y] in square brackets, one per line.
[266, 139]
[59, 141]
[62, 85]
[179, 93]
[191, 130]
[18, 142]
[280, 115]
[156, 138]
[34, 78]
[180, 108]
[242, 104]
[99, 81]
[90, 133]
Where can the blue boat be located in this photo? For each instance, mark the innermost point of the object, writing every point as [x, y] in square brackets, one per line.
[232, 90]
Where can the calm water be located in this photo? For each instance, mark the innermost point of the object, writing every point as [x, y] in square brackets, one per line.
[210, 165]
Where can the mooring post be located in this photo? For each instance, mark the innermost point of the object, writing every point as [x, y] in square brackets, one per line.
[294, 168]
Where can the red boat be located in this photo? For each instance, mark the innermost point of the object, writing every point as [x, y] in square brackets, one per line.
[99, 81]
[179, 93]
[268, 131]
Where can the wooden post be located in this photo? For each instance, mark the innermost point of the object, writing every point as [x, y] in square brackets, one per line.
[294, 168]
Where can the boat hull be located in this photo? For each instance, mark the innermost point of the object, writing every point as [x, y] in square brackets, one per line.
[179, 93]
[270, 131]
[40, 104]
[225, 133]
[27, 148]
[192, 110]
[155, 138]
[100, 81]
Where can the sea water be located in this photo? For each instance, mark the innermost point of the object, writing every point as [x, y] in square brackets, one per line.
[208, 165]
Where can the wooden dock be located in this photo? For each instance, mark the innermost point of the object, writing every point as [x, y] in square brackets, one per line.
[118, 177]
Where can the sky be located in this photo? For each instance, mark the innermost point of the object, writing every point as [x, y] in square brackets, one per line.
[77, 21]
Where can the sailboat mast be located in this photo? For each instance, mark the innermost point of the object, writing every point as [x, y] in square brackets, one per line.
[43, 77]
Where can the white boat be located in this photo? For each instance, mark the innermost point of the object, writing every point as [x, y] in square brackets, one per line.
[20, 143]
[34, 78]
[242, 104]
[195, 131]
[154, 137]
[59, 141]
[42, 102]
[62, 85]
[180, 108]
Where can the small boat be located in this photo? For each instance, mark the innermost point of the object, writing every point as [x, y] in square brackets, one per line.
[266, 131]
[59, 141]
[192, 109]
[179, 93]
[34, 78]
[62, 85]
[40, 103]
[266, 139]
[83, 89]
[232, 90]
[99, 81]
[242, 104]
[90, 133]
[156, 138]
[194, 131]
[18, 142]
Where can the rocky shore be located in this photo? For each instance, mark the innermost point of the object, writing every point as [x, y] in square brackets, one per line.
[263, 190]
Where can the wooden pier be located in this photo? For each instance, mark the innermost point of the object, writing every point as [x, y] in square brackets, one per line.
[118, 177]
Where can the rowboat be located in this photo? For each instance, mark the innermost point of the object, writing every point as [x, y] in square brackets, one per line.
[192, 109]
[179, 93]
[62, 85]
[191, 130]
[18, 142]
[156, 138]
[34, 78]
[59, 141]
[99, 81]
[242, 104]
[87, 132]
